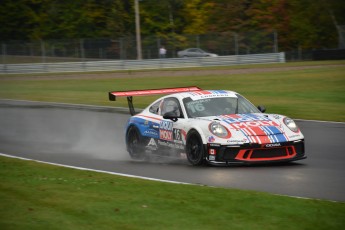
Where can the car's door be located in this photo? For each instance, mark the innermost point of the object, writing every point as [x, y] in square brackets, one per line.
[171, 133]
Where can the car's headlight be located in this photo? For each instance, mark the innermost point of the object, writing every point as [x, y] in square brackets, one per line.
[291, 124]
[219, 130]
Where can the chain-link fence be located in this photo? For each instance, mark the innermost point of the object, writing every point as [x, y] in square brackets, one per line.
[226, 43]
[76, 50]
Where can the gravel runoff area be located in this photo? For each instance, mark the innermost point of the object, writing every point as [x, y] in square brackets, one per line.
[161, 73]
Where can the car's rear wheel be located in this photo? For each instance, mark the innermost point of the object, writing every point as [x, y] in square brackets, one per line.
[195, 149]
[135, 144]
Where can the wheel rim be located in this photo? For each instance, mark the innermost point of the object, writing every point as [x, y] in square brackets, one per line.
[194, 149]
[133, 143]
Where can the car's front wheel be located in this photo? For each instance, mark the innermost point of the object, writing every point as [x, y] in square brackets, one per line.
[135, 145]
[195, 149]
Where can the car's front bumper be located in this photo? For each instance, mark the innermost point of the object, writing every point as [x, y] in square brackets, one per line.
[255, 153]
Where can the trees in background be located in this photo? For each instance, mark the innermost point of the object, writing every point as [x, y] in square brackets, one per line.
[58, 19]
[309, 24]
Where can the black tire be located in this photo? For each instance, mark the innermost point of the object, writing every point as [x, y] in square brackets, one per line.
[135, 144]
[195, 149]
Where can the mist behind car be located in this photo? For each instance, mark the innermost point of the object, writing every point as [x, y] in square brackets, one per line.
[195, 52]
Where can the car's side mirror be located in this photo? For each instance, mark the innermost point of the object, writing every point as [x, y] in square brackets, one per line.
[170, 115]
[262, 108]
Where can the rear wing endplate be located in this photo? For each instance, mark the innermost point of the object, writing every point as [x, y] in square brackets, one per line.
[129, 94]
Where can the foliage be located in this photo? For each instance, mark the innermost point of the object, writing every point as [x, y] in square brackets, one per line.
[56, 19]
[305, 24]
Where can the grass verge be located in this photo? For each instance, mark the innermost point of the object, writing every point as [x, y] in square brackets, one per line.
[308, 93]
[40, 196]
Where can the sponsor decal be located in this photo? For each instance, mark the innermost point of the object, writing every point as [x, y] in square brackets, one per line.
[166, 125]
[152, 144]
[165, 135]
[211, 139]
[236, 118]
[212, 158]
[241, 125]
[294, 136]
[202, 92]
[166, 130]
[237, 141]
[151, 133]
[196, 95]
[171, 144]
[272, 145]
[275, 116]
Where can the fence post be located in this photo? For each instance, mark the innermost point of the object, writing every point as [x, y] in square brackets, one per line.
[82, 51]
[299, 53]
[3, 54]
[82, 54]
[236, 43]
[275, 39]
[158, 45]
[43, 52]
[31, 50]
[197, 41]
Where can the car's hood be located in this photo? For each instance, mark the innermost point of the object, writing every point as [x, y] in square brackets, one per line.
[253, 121]
[237, 121]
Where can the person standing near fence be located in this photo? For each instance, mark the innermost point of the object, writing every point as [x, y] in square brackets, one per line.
[162, 52]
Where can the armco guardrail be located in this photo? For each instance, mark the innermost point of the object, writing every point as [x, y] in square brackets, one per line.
[141, 64]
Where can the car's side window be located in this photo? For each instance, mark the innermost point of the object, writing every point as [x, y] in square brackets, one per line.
[171, 105]
[155, 107]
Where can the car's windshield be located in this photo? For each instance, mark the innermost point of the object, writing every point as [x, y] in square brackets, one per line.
[218, 106]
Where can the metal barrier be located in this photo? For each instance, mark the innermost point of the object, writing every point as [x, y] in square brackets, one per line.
[141, 64]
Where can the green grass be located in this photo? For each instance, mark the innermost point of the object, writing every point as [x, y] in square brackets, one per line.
[39, 196]
[311, 93]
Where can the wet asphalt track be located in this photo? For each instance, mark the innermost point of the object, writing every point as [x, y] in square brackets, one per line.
[93, 137]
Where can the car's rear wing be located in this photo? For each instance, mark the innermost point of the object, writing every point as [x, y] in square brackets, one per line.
[129, 94]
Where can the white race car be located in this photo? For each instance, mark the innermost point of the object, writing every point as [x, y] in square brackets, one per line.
[209, 126]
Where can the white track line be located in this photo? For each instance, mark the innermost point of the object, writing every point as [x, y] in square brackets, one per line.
[144, 178]
[92, 170]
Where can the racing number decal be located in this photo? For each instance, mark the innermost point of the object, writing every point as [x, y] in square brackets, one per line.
[196, 107]
[177, 134]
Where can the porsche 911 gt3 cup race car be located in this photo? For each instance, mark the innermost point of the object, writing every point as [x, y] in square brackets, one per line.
[209, 126]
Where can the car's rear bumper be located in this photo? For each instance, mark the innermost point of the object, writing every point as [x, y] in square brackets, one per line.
[255, 153]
